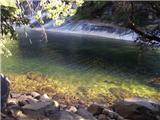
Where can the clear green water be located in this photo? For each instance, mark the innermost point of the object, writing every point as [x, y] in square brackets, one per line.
[82, 51]
[88, 62]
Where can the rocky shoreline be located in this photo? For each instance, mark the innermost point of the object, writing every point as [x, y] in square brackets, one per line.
[36, 106]
[33, 106]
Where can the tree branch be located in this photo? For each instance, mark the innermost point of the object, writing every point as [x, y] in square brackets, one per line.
[142, 33]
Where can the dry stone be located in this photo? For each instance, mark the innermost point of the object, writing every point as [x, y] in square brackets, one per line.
[64, 115]
[85, 114]
[38, 108]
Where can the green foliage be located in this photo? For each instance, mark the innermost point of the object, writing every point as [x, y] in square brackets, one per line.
[11, 15]
[8, 3]
[9, 18]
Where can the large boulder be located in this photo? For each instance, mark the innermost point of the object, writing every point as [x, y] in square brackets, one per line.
[137, 108]
[5, 88]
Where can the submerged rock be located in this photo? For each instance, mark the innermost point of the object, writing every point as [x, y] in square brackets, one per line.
[137, 108]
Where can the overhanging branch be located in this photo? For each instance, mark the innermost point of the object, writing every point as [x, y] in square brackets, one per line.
[148, 37]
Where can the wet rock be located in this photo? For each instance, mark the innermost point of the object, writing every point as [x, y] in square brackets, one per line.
[96, 108]
[64, 115]
[137, 109]
[85, 114]
[5, 89]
